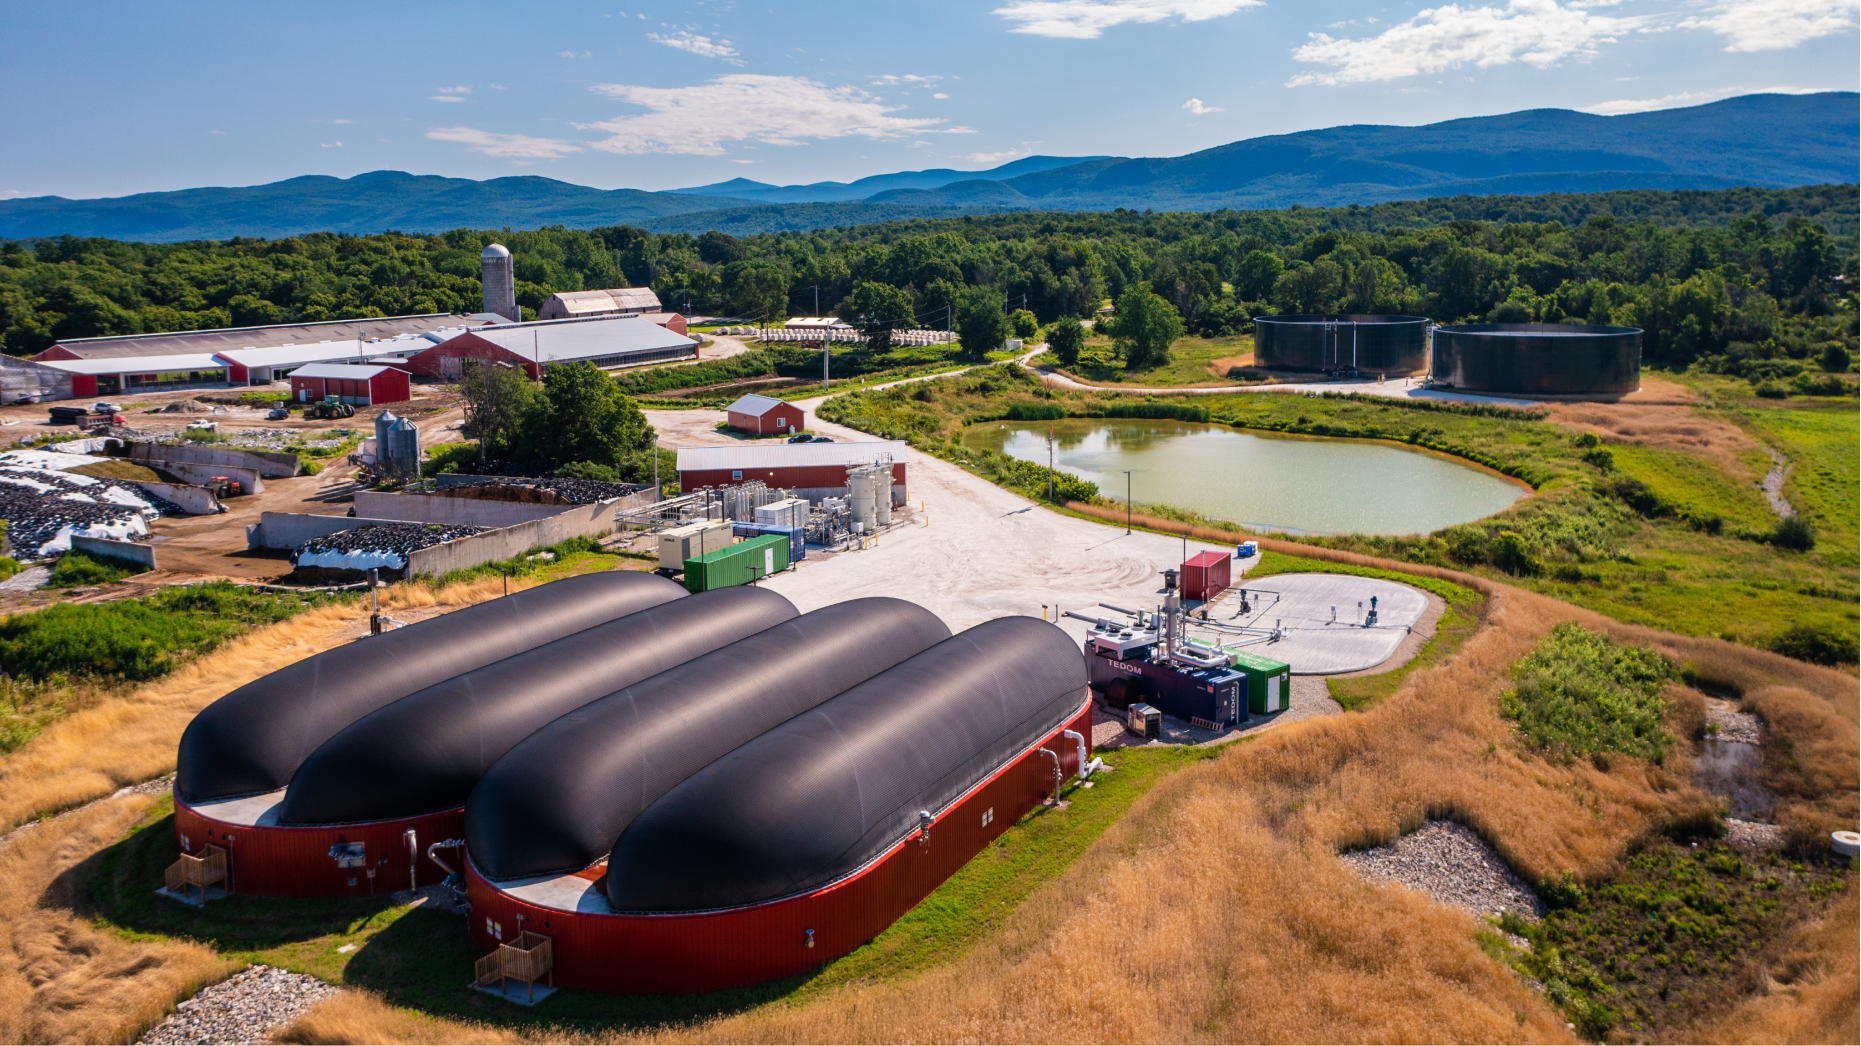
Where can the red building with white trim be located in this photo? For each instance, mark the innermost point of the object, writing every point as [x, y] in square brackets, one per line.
[812, 470]
[360, 386]
[609, 343]
[764, 415]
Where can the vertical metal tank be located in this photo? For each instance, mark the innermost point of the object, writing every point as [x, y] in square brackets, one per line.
[1538, 359]
[862, 501]
[402, 448]
[499, 276]
[1368, 344]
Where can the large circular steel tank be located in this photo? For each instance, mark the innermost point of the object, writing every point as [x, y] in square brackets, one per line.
[1368, 344]
[1538, 359]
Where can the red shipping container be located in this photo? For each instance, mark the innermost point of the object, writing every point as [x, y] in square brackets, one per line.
[1205, 576]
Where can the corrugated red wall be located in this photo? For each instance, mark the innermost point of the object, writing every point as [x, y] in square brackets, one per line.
[278, 861]
[653, 954]
[787, 478]
[1206, 576]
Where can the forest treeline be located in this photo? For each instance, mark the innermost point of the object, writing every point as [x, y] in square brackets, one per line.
[1735, 277]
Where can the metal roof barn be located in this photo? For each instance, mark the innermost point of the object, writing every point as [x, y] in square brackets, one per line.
[210, 341]
[608, 343]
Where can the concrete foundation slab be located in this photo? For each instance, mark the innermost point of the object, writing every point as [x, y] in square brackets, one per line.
[1324, 618]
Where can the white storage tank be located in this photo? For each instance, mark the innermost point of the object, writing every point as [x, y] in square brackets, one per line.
[862, 497]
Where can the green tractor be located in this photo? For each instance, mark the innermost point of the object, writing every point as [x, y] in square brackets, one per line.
[327, 409]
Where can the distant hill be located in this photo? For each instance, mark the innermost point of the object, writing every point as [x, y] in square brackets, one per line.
[1769, 141]
[367, 203]
[866, 188]
[1764, 141]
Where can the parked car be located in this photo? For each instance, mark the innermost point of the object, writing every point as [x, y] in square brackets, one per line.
[801, 437]
[823, 439]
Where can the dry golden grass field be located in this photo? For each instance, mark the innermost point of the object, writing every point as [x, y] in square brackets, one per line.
[1248, 929]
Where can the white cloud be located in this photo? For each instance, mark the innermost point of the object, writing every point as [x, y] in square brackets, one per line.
[512, 146]
[1675, 101]
[330, 145]
[996, 158]
[10, 194]
[454, 90]
[1540, 33]
[1773, 25]
[452, 94]
[342, 121]
[908, 80]
[1195, 106]
[574, 54]
[703, 46]
[1087, 19]
[774, 110]
[940, 96]
[446, 98]
[216, 132]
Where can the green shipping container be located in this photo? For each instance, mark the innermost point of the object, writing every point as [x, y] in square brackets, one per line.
[738, 564]
[1269, 682]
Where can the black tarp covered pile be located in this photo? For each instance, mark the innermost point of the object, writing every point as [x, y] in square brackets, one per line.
[377, 545]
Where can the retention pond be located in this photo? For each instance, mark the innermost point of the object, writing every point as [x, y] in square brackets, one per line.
[1298, 484]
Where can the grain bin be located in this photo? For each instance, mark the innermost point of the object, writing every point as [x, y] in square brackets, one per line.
[1269, 682]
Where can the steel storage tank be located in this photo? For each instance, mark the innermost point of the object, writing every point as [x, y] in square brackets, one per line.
[1538, 359]
[1367, 343]
[862, 497]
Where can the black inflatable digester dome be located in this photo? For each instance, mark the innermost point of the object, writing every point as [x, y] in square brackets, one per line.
[424, 753]
[817, 798]
[557, 802]
[253, 740]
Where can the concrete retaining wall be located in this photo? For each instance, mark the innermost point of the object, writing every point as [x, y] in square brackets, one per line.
[195, 501]
[291, 529]
[267, 463]
[583, 521]
[193, 472]
[432, 508]
[126, 550]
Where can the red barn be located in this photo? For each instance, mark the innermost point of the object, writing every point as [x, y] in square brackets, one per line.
[812, 470]
[763, 415]
[361, 386]
[610, 343]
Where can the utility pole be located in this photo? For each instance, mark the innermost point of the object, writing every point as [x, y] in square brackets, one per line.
[1127, 499]
[817, 301]
[1049, 461]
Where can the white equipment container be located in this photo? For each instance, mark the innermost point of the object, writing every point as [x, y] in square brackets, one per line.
[691, 541]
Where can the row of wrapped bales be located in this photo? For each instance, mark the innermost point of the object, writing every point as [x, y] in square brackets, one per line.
[1538, 359]
[557, 802]
[821, 796]
[253, 740]
[425, 752]
[1372, 344]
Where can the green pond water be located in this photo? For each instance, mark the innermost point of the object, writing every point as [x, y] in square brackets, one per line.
[1296, 484]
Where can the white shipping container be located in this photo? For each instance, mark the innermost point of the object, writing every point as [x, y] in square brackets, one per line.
[789, 512]
[691, 541]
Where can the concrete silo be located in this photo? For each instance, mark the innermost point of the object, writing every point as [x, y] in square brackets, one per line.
[499, 276]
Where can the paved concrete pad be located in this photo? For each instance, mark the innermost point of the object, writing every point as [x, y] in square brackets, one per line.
[1315, 643]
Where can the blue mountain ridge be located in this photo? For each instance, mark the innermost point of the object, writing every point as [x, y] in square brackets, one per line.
[1765, 141]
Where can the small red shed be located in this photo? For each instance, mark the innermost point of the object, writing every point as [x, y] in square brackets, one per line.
[764, 416]
[1206, 576]
[358, 385]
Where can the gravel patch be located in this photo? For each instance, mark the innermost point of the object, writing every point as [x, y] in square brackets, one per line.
[27, 579]
[1733, 725]
[1451, 863]
[240, 1009]
[1753, 836]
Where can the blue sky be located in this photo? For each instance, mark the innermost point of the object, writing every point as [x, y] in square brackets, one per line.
[108, 98]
